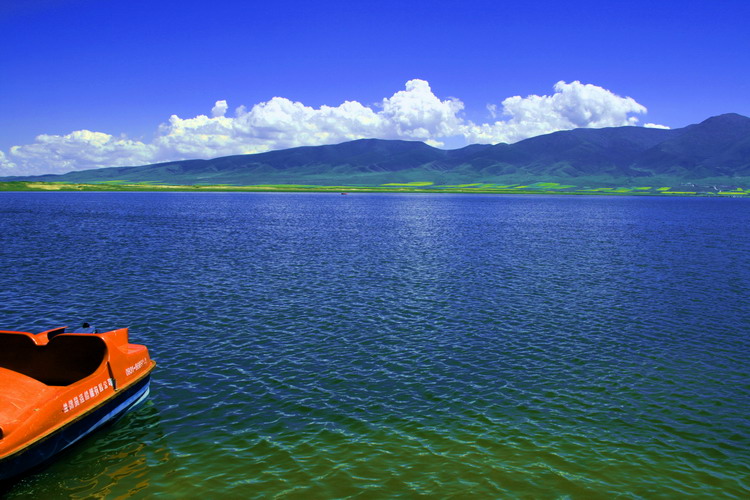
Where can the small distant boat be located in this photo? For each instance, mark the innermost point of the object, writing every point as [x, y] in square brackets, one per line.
[344, 193]
[58, 386]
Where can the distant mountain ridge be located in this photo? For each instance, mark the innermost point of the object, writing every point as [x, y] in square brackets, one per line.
[716, 150]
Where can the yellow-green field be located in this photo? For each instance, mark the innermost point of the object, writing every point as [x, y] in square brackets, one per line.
[393, 187]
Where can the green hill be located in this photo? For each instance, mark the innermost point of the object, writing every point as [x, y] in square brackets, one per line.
[716, 150]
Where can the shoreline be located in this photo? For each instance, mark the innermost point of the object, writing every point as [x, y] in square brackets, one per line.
[533, 189]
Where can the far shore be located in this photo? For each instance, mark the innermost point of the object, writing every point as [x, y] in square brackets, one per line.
[411, 187]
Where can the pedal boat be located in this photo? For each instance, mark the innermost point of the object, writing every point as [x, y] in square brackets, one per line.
[58, 387]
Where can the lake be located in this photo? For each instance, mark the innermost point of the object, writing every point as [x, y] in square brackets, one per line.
[371, 346]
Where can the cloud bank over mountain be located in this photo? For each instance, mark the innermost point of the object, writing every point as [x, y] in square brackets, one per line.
[414, 113]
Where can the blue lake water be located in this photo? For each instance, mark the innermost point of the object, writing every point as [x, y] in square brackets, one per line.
[321, 346]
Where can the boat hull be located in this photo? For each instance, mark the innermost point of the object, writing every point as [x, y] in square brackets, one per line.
[46, 448]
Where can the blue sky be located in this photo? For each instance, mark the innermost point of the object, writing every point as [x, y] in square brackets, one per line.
[119, 70]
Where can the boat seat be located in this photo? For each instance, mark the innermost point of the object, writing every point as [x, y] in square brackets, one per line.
[65, 360]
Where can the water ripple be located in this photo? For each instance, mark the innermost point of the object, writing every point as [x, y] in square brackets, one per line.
[380, 346]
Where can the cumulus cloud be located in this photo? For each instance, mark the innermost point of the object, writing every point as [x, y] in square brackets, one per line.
[79, 150]
[219, 109]
[5, 163]
[414, 113]
[655, 125]
[573, 105]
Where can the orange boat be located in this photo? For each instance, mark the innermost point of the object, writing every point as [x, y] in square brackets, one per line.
[56, 387]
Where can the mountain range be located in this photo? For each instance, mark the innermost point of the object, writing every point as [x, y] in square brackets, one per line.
[716, 150]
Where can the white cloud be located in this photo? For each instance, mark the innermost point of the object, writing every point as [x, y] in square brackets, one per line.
[219, 109]
[414, 113]
[78, 150]
[5, 164]
[573, 105]
[655, 125]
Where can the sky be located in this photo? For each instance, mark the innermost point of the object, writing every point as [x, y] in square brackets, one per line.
[94, 83]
